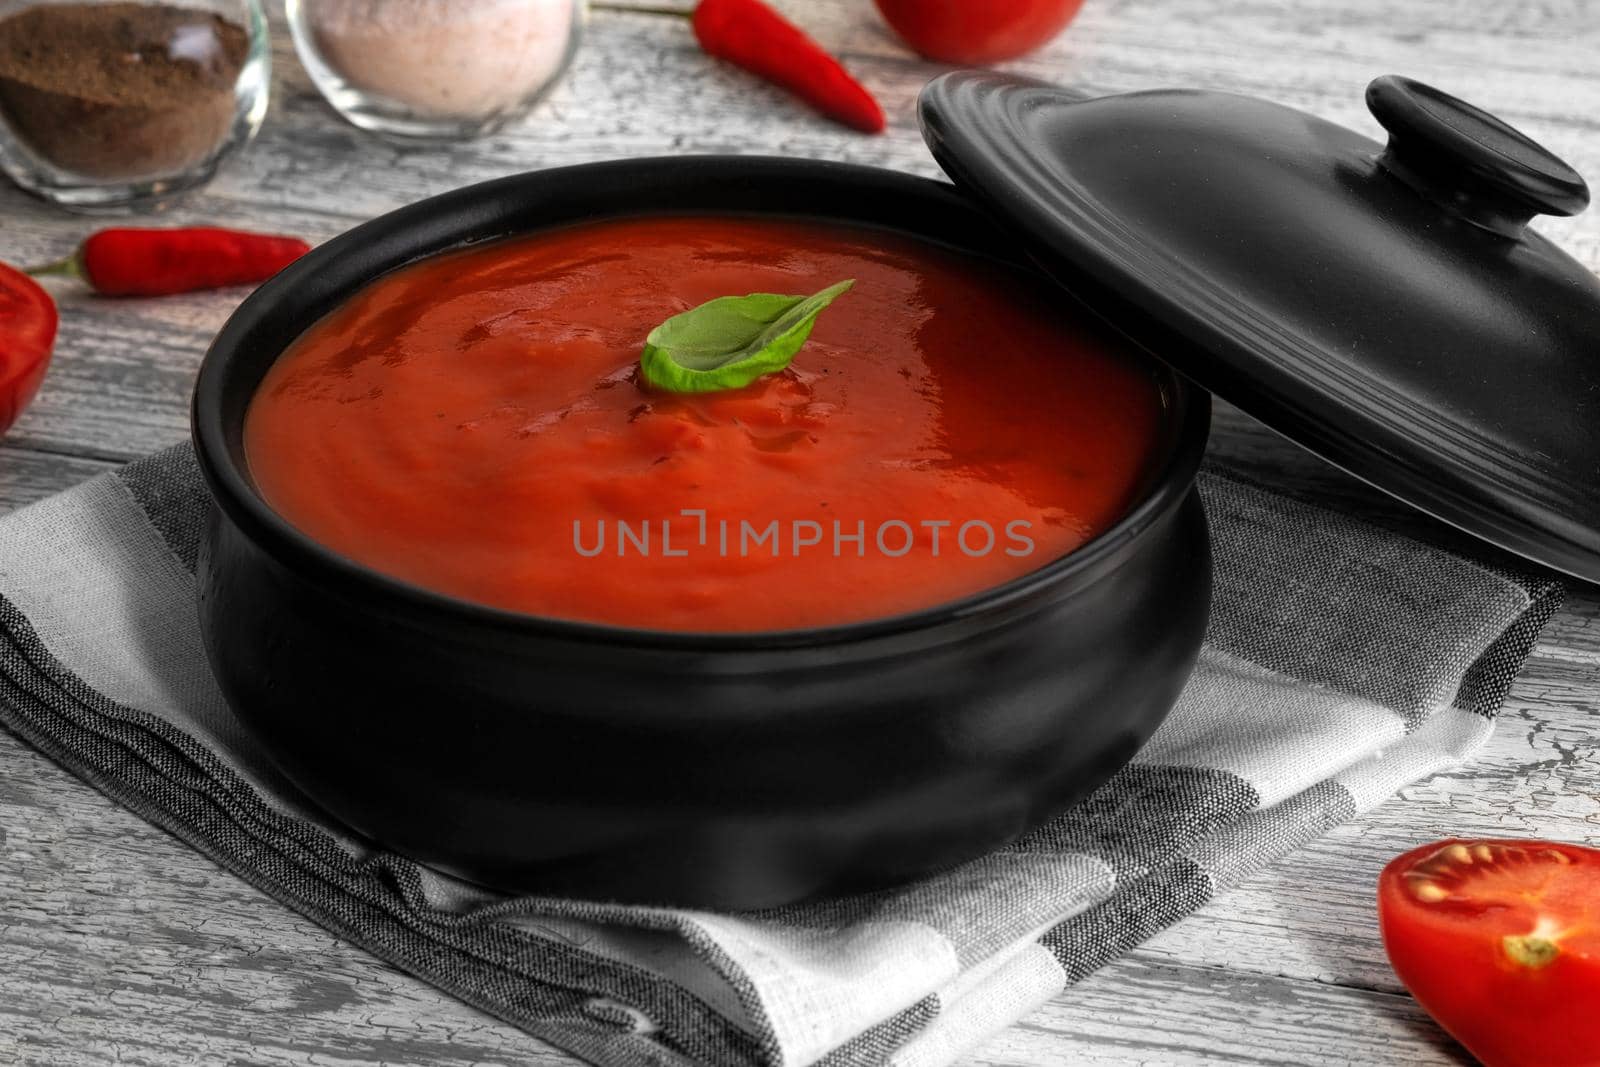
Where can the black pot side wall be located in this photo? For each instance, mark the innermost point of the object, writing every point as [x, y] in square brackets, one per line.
[705, 780]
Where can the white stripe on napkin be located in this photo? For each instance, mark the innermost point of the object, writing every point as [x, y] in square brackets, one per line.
[1242, 718]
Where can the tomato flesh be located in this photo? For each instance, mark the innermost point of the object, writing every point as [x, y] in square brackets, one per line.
[969, 31]
[1500, 942]
[27, 332]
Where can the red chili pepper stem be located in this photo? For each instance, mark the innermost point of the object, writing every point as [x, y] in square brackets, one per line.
[70, 267]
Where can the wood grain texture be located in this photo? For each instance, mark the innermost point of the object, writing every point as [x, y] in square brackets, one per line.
[26, 475]
[117, 944]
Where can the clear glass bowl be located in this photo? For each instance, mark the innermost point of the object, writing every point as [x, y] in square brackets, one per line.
[436, 69]
[127, 104]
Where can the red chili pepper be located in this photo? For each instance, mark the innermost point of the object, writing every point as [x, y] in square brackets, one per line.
[27, 331]
[136, 262]
[751, 35]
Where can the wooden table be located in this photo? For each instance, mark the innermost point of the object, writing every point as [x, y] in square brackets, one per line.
[117, 944]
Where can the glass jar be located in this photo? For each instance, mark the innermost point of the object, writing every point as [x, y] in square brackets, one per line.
[128, 103]
[441, 69]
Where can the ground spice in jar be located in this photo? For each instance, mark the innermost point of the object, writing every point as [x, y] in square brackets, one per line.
[121, 91]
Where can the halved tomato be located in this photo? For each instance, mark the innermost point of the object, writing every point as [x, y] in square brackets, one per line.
[1500, 942]
[27, 331]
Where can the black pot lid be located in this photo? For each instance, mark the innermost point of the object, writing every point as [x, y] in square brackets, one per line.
[1384, 307]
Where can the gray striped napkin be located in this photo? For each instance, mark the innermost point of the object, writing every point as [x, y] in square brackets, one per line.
[1343, 662]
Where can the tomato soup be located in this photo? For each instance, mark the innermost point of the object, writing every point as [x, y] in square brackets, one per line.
[476, 424]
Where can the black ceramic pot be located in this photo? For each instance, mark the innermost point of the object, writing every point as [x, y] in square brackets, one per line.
[729, 771]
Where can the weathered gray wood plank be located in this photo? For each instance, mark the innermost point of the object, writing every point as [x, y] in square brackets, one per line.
[26, 476]
[1148, 1011]
[117, 943]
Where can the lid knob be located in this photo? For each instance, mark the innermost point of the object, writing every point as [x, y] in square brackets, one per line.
[1468, 161]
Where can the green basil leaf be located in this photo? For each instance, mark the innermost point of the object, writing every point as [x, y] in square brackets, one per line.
[731, 341]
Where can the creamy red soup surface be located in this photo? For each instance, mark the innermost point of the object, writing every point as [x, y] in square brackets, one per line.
[476, 424]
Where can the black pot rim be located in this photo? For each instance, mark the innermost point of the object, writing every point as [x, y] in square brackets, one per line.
[1168, 481]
